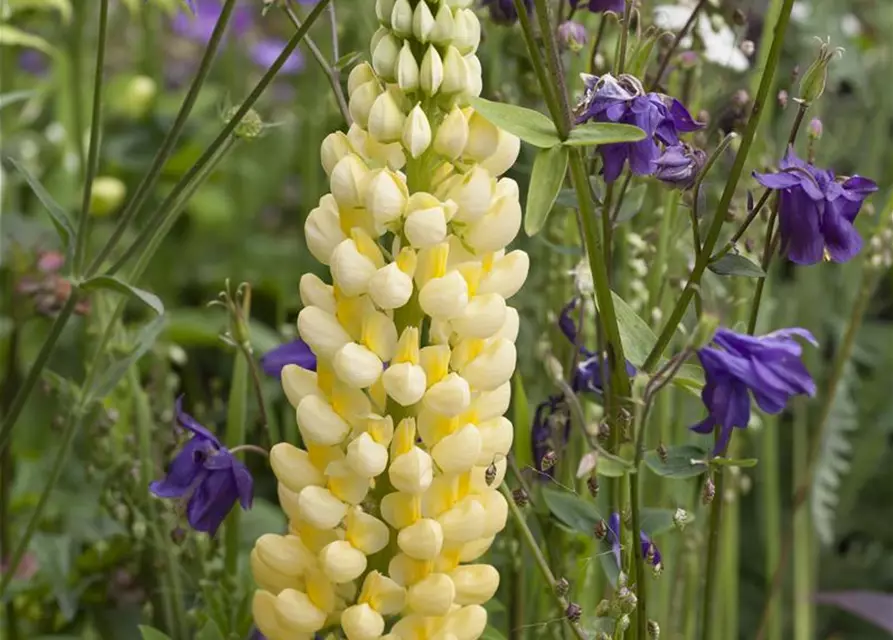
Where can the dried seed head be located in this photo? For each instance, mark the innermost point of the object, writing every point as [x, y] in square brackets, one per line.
[520, 497]
[562, 587]
[709, 492]
[628, 601]
[600, 530]
[604, 431]
[662, 452]
[603, 609]
[653, 630]
[573, 612]
[681, 518]
[549, 460]
[623, 622]
[782, 98]
[592, 485]
[739, 18]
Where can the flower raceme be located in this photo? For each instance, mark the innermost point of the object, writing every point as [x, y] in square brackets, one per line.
[393, 498]
[769, 367]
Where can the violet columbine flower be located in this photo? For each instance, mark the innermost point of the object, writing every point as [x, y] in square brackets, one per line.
[817, 211]
[597, 6]
[572, 35]
[769, 367]
[679, 165]
[295, 352]
[206, 475]
[649, 550]
[503, 11]
[662, 118]
[588, 375]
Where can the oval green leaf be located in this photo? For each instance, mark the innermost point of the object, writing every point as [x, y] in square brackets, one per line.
[151, 633]
[57, 214]
[733, 264]
[597, 133]
[531, 126]
[572, 510]
[549, 169]
[680, 462]
[636, 336]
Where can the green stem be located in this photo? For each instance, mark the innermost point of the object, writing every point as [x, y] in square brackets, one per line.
[801, 530]
[541, 562]
[675, 45]
[95, 129]
[722, 208]
[75, 79]
[656, 273]
[167, 145]
[620, 63]
[46, 350]
[771, 492]
[539, 67]
[10, 384]
[173, 591]
[237, 409]
[744, 226]
[71, 428]
[556, 72]
[330, 72]
[221, 138]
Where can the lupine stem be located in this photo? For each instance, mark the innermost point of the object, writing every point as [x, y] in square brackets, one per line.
[10, 382]
[222, 137]
[330, 71]
[735, 173]
[170, 140]
[539, 68]
[173, 594]
[675, 45]
[237, 408]
[541, 562]
[93, 155]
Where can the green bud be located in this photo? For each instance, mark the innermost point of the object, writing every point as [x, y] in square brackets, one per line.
[704, 331]
[106, 196]
[138, 95]
[812, 85]
[249, 127]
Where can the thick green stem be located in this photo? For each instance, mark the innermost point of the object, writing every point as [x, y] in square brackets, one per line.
[221, 138]
[170, 140]
[172, 591]
[722, 208]
[10, 384]
[237, 411]
[801, 529]
[771, 502]
[95, 130]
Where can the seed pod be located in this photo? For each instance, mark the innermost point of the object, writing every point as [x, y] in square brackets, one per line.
[490, 474]
[653, 630]
[520, 497]
[600, 530]
[549, 460]
[709, 492]
[592, 485]
[562, 587]
[573, 612]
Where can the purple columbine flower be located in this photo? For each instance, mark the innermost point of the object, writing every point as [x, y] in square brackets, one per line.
[588, 375]
[295, 352]
[769, 367]
[503, 11]
[679, 165]
[817, 211]
[206, 475]
[662, 118]
[597, 6]
[649, 550]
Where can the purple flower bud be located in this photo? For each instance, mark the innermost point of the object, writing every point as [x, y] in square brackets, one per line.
[572, 35]
[679, 165]
[503, 11]
[815, 128]
[598, 6]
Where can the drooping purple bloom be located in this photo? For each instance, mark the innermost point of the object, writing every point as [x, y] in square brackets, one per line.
[817, 211]
[623, 100]
[650, 552]
[200, 25]
[598, 6]
[265, 52]
[551, 422]
[205, 475]
[769, 367]
[588, 375]
[503, 11]
[572, 35]
[295, 352]
[679, 165]
[872, 606]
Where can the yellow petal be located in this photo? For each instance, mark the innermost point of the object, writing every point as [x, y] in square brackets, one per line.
[464, 522]
[263, 611]
[431, 596]
[321, 331]
[342, 562]
[382, 594]
[404, 437]
[390, 287]
[286, 554]
[405, 383]
[314, 292]
[400, 509]
[345, 484]
[473, 550]
[422, 540]
[362, 622]
[267, 577]
[357, 366]
[298, 382]
[365, 532]
[366, 457]
[484, 316]
[468, 623]
[444, 297]
[320, 508]
[295, 613]
[450, 397]
[293, 468]
[496, 440]
[507, 275]
[493, 367]
[380, 335]
[458, 452]
[475, 583]
[406, 571]
[411, 472]
[318, 422]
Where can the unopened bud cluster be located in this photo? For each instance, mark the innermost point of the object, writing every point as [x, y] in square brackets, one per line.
[394, 497]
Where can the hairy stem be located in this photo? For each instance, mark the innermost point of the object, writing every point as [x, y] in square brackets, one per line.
[675, 45]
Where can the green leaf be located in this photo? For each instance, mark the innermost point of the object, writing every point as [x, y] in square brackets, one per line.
[348, 60]
[521, 420]
[571, 509]
[113, 283]
[12, 97]
[690, 377]
[733, 264]
[531, 126]
[492, 633]
[598, 133]
[678, 464]
[57, 214]
[62, 6]
[632, 204]
[613, 467]
[118, 368]
[194, 328]
[636, 336]
[151, 633]
[743, 463]
[12, 37]
[210, 632]
[658, 521]
[549, 169]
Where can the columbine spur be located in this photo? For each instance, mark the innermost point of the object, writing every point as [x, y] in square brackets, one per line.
[297, 352]
[817, 211]
[769, 367]
[205, 475]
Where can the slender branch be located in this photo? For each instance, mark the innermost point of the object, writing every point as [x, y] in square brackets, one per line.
[597, 41]
[95, 129]
[696, 189]
[541, 562]
[330, 71]
[744, 226]
[762, 96]
[333, 26]
[556, 95]
[170, 140]
[620, 63]
[675, 45]
[221, 138]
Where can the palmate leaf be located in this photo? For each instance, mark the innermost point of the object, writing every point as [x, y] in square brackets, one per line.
[833, 462]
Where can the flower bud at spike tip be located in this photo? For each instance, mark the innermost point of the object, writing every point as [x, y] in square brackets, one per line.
[407, 69]
[416, 132]
[812, 85]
